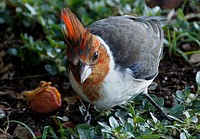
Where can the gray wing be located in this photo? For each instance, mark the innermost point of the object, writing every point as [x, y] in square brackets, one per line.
[136, 43]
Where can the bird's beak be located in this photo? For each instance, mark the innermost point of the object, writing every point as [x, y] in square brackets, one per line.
[85, 71]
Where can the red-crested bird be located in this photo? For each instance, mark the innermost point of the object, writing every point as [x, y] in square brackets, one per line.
[113, 59]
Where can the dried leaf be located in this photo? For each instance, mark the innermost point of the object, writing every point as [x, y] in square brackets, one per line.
[3, 136]
[71, 100]
[68, 124]
[22, 133]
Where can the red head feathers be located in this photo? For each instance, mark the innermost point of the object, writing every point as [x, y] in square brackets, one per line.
[77, 36]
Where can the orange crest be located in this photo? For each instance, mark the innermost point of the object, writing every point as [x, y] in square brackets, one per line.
[77, 36]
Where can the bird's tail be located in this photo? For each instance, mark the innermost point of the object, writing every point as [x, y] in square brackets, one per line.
[162, 20]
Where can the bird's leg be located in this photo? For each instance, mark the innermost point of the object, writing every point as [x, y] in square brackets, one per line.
[163, 113]
[85, 112]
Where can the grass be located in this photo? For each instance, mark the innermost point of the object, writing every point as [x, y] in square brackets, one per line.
[21, 123]
[182, 32]
[37, 24]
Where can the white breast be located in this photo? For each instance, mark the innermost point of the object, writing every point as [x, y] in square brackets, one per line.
[77, 87]
[118, 88]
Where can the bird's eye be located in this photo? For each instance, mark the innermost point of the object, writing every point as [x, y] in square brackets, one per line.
[95, 56]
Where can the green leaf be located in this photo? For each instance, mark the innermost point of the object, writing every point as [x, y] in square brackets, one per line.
[139, 120]
[155, 120]
[51, 69]
[31, 9]
[194, 119]
[122, 115]
[42, 21]
[51, 41]
[132, 111]
[113, 122]
[118, 129]
[45, 131]
[187, 91]
[159, 101]
[154, 136]
[130, 121]
[105, 126]
[85, 131]
[177, 110]
[196, 105]
[53, 133]
[166, 137]
[198, 136]
[12, 51]
[39, 47]
[186, 113]
[183, 136]
[180, 95]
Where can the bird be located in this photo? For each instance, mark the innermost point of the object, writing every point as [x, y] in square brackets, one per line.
[113, 59]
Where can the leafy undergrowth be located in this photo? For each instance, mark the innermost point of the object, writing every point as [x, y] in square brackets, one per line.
[32, 49]
[138, 121]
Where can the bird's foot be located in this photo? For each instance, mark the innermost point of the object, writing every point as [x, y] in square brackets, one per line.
[85, 112]
[163, 115]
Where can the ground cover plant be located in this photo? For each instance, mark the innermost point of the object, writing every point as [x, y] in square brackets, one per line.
[32, 49]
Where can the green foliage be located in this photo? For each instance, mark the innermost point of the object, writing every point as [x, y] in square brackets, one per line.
[182, 31]
[132, 121]
[38, 25]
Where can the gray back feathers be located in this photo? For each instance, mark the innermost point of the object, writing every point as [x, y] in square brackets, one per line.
[136, 43]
